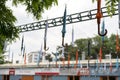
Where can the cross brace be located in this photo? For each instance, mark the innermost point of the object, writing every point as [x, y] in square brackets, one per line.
[72, 18]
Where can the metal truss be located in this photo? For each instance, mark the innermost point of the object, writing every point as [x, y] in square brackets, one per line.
[72, 18]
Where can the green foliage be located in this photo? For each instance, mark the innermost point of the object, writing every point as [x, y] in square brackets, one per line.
[8, 31]
[110, 4]
[49, 58]
[108, 46]
[94, 1]
[1, 59]
[36, 7]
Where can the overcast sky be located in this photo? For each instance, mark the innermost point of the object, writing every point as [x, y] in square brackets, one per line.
[34, 39]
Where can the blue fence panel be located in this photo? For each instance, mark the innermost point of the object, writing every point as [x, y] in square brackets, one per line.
[37, 77]
[0, 77]
[119, 78]
[59, 78]
[15, 77]
[89, 78]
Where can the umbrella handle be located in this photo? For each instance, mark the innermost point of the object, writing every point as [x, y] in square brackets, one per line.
[63, 42]
[46, 49]
[99, 16]
[99, 32]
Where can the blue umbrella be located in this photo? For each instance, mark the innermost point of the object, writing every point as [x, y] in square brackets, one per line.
[22, 45]
[23, 51]
[72, 63]
[39, 56]
[45, 36]
[97, 64]
[72, 37]
[117, 63]
[88, 52]
[64, 27]
[79, 63]
[103, 30]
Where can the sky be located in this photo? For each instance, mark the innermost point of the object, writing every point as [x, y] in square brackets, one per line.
[34, 39]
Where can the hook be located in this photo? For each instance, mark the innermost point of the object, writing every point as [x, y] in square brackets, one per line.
[63, 42]
[46, 49]
[99, 32]
[99, 16]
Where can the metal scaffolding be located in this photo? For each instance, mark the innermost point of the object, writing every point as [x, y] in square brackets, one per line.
[72, 18]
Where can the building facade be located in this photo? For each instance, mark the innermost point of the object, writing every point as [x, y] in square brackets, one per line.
[33, 57]
[95, 71]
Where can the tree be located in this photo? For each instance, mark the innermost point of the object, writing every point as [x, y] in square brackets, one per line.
[68, 49]
[112, 44]
[110, 4]
[49, 58]
[36, 7]
[8, 31]
[108, 47]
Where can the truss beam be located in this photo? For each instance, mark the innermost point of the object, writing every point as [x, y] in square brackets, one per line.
[72, 18]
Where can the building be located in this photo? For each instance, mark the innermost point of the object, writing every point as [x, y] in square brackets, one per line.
[42, 72]
[33, 57]
[6, 56]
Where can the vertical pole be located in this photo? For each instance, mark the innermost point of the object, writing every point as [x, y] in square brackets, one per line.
[42, 77]
[43, 57]
[107, 77]
[73, 77]
[6, 77]
[68, 78]
[88, 53]
[56, 59]
[56, 65]
[50, 77]
[46, 77]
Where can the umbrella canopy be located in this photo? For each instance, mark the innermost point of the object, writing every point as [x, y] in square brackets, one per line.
[64, 27]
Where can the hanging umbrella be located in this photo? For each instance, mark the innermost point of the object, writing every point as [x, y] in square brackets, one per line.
[64, 27]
